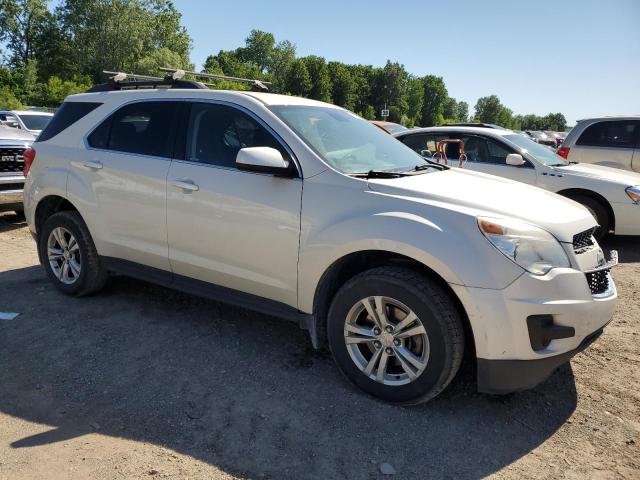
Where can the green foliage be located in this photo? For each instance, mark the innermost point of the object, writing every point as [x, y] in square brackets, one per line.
[319, 76]
[8, 100]
[54, 49]
[343, 85]
[435, 95]
[298, 79]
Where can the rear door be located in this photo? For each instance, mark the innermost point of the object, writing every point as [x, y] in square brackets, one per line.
[607, 142]
[230, 227]
[126, 168]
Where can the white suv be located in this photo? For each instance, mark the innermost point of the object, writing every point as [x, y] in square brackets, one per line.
[303, 210]
[609, 141]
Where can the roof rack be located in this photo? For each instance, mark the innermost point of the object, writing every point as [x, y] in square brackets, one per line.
[172, 79]
[256, 85]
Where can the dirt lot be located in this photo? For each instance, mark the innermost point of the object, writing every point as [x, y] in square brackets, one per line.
[143, 382]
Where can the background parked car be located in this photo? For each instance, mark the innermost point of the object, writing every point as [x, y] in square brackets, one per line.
[610, 141]
[33, 121]
[557, 136]
[13, 143]
[389, 127]
[542, 138]
[612, 196]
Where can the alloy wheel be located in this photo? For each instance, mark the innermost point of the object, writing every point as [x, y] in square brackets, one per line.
[63, 253]
[386, 340]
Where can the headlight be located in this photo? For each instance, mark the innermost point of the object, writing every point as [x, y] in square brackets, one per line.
[634, 193]
[534, 249]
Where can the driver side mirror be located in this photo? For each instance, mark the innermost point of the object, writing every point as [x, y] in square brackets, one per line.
[264, 160]
[515, 160]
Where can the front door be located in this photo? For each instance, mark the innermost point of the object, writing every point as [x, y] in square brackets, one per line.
[230, 227]
[489, 156]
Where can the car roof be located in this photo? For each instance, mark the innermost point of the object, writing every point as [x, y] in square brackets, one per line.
[265, 98]
[29, 112]
[496, 132]
[612, 117]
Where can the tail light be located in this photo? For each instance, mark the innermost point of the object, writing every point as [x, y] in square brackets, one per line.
[563, 152]
[29, 155]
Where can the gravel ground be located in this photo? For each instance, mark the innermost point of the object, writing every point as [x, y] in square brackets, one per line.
[143, 382]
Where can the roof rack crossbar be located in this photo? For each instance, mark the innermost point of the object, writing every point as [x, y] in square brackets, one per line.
[174, 77]
[258, 85]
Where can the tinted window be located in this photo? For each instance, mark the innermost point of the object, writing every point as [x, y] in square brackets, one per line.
[609, 134]
[99, 138]
[143, 128]
[68, 114]
[426, 144]
[218, 132]
[35, 122]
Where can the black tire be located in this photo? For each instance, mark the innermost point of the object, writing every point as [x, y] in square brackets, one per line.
[600, 213]
[93, 275]
[435, 309]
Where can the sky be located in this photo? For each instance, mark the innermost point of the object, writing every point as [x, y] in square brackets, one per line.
[578, 57]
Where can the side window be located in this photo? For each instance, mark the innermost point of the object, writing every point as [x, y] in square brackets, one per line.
[143, 128]
[68, 114]
[425, 144]
[484, 150]
[218, 132]
[618, 134]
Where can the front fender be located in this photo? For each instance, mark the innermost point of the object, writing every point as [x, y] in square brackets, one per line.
[449, 243]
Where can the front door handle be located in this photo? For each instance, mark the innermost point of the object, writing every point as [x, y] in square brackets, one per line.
[186, 185]
[93, 165]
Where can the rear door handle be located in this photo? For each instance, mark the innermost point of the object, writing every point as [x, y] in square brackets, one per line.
[186, 185]
[93, 165]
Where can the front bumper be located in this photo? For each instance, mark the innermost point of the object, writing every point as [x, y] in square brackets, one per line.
[627, 218]
[11, 197]
[507, 376]
[507, 360]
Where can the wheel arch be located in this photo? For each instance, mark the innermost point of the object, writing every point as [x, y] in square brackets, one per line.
[48, 205]
[350, 265]
[571, 192]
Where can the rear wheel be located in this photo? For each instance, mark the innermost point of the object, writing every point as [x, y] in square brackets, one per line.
[599, 212]
[69, 255]
[396, 334]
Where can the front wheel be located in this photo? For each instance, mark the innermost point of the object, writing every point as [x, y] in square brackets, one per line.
[599, 212]
[396, 335]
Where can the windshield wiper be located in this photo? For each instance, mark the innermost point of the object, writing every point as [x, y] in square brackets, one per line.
[380, 174]
[425, 166]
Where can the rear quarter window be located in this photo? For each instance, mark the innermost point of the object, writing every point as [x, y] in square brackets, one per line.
[618, 134]
[68, 114]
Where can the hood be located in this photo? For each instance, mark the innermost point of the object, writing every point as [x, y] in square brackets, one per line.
[10, 133]
[480, 194]
[617, 175]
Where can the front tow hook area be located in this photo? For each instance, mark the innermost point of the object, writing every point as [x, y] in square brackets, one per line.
[542, 331]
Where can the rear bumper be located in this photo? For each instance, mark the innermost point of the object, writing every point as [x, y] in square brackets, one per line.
[506, 376]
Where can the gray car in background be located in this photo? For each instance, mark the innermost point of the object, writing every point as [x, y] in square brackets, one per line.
[610, 141]
[13, 143]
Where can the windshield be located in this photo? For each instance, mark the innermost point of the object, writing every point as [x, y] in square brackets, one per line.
[347, 142]
[539, 152]
[35, 122]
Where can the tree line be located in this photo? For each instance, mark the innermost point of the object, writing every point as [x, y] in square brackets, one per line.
[48, 54]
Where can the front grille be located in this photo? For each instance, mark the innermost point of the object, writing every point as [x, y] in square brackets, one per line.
[584, 239]
[7, 187]
[598, 281]
[11, 159]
